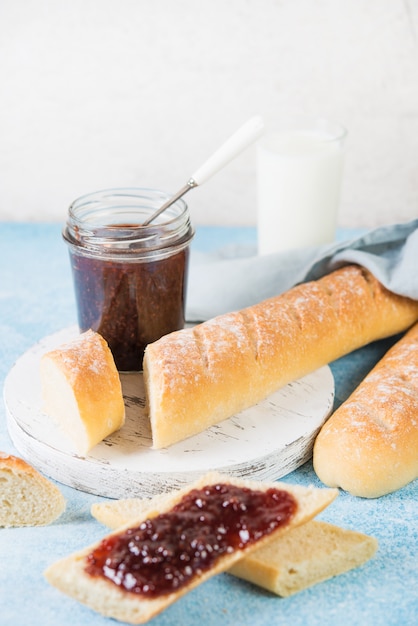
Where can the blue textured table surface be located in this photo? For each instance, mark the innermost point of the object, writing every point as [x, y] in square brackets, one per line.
[36, 300]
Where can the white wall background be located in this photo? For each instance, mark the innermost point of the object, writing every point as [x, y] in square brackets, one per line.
[103, 93]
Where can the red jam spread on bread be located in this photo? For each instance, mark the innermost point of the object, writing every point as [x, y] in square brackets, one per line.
[130, 304]
[164, 553]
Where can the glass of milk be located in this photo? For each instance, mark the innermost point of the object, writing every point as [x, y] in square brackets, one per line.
[299, 174]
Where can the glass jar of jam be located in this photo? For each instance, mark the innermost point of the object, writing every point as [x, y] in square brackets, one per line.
[130, 280]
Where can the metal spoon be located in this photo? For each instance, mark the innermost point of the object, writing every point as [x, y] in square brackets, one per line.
[241, 139]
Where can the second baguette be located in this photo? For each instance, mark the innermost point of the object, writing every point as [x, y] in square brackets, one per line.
[369, 446]
[198, 377]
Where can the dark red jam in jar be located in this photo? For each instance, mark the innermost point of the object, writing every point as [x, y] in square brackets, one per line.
[130, 280]
[164, 553]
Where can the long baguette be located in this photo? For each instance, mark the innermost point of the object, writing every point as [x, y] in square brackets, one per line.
[197, 377]
[110, 598]
[369, 446]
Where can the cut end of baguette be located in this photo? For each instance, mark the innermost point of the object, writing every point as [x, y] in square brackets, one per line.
[81, 390]
[27, 498]
[69, 574]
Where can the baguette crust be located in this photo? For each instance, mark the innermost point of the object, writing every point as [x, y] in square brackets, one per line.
[82, 391]
[69, 574]
[197, 377]
[27, 498]
[369, 446]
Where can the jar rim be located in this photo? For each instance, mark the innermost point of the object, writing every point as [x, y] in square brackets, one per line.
[109, 222]
[126, 192]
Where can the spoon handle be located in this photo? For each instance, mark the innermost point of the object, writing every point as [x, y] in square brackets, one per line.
[243, 137]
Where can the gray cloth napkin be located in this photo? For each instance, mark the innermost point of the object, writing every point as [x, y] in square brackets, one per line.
[220, 285]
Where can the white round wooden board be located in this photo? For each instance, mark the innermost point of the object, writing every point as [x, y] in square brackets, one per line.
[264, 442]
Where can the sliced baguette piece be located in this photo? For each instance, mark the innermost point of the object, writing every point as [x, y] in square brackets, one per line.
[107, 598]
[81, 390]
[27, 498]
[302, 557]
[117, 513]
[369, 446]
[305, 556]
[199, 376]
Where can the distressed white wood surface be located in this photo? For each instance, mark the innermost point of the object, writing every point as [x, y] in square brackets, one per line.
[265, 442]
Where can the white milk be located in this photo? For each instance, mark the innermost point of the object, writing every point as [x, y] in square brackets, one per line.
[298, 188]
